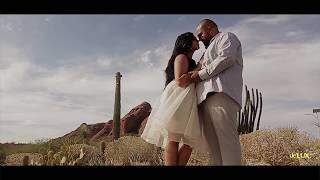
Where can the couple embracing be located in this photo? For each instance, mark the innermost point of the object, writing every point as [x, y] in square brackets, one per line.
[198, 108]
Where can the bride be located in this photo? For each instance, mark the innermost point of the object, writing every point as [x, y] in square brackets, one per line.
[174, 123]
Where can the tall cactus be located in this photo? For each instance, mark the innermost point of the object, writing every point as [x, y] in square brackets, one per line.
[102, 147]
[248, 115]
[84, 133]
[117, 108]
[25, 161]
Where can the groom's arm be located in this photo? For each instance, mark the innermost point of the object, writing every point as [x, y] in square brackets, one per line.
[199, 64]
[227, 53]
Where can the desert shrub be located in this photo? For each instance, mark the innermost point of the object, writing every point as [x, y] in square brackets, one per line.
[274, 147]
[262, 147]
[3, 155]
[92, 156]
[131, 150]
[17, 159]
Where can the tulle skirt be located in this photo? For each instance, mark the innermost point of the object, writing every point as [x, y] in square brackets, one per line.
[174, 117]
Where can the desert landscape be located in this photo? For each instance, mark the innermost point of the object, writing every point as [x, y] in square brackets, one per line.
[93, 145]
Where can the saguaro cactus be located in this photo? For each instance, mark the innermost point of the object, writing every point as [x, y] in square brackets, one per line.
[102, 147]
[117, 108]
[248, 115]
[25, 161]
[84, 133]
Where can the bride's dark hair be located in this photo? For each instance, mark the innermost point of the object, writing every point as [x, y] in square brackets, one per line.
[183, 45]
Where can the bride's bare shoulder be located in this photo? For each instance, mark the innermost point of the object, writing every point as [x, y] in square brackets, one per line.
[181, 58]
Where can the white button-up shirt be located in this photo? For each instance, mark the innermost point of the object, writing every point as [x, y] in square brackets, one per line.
[222, 68]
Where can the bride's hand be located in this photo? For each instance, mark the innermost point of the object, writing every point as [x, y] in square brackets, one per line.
[184, 80]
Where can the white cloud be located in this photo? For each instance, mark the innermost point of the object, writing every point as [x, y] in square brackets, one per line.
[145, 57]
[265, 29]
[64, 96]
[9, 54]
[154, 58]
[75, 80]
[163, 54]
[268, 19]
[48, 18]
[139, 18]
[12, 77]
[294, 33]
[104, 62]
[181, 18]
[10, 23]
[44, 124]
[36, 112]
[7, 27]
[14, 66]
[284, 70]
[35, 98]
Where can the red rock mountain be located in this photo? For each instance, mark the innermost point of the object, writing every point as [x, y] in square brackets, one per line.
[132, 123]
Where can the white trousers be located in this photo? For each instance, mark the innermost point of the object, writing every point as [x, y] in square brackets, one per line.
[218, 114]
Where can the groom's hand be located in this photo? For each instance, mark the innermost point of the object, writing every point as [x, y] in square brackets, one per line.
[195, 76]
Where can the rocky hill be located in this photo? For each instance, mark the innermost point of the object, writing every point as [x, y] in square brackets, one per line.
[132, 123]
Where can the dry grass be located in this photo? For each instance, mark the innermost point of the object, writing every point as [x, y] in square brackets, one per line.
[198, 159]
[131, 150]
[3, 155]
[36, 147]
[92, 156]
[76, 154]
[16, 159]
[263, 147]
[275, 146]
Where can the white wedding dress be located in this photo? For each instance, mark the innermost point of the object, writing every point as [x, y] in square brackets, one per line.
[175, 114]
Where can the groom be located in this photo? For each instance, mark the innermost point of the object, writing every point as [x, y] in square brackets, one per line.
[219, 92]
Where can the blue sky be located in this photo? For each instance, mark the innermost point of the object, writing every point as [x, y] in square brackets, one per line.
[57, 71]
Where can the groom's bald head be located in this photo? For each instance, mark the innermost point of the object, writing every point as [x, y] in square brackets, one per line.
[205, 31]
[208, 23]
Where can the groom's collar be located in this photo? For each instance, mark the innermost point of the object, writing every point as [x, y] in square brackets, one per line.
[214, 37]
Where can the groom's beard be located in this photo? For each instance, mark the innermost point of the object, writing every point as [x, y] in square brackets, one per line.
[206, 44]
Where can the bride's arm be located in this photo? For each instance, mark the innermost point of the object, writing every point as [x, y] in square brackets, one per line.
[181, 75]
